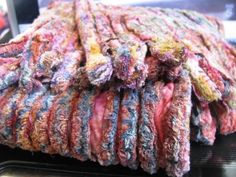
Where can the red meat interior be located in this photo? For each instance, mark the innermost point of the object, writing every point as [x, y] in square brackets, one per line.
[96, 122]
[161, 109]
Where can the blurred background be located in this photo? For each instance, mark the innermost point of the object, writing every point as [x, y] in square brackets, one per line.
[17, 15]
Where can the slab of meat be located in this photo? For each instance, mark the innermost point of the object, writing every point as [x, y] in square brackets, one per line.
[98, 66]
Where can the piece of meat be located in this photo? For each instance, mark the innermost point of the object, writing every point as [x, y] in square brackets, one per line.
[80, 146]
[127, 129]
[33, 50]
[132, 69]
[98, 66]
[23, 113]
[203, 124]
[161, 45]
[147, 132]
[176, 146]
[59, 131]
[58, 36]
[39, 133]
[8, 117]
[204, 88]
[107, 153]
[110, 43]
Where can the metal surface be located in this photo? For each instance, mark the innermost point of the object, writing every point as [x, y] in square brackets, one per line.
[12, 18]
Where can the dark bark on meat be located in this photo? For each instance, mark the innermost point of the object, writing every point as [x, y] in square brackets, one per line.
[177, 145]
[127, 129]
[80, 129]
[98, 66]
[107, 154]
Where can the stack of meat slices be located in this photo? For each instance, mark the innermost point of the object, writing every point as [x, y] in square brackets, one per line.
[117, 84]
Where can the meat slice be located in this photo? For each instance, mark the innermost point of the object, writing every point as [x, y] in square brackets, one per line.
[176, 146]
[147, 132]
[110, 42]
[80, 146]
[204, 88]
[98, 66]
[133, 70]
[8, 117]
[107, 153]
[23, 113]
[155, 32]
[58, 126]
[39, 133]
[203, 124]
[127, 129]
